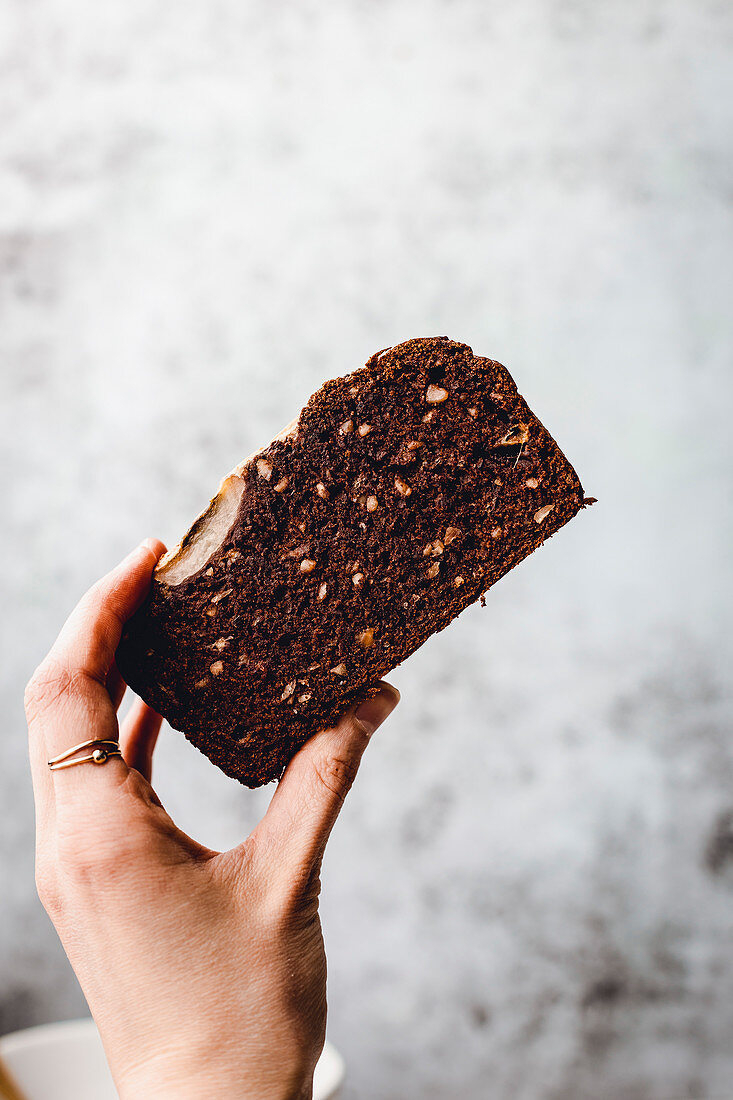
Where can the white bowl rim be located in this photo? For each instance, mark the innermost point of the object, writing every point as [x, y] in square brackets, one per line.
[53, 1032]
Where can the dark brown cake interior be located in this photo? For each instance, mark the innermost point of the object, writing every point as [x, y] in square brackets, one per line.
[408, 489]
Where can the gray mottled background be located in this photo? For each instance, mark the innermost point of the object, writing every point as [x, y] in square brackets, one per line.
[206, 208]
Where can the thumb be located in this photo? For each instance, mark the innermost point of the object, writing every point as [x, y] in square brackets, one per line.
[312, 790]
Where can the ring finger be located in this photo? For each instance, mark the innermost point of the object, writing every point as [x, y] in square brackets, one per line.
[67, 701]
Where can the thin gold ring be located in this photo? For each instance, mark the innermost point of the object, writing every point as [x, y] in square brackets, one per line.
[101, 753]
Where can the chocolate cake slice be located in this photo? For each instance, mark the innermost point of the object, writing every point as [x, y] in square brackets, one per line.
[400, 494]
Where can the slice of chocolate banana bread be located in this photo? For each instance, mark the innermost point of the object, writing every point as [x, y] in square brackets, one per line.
[401, 493]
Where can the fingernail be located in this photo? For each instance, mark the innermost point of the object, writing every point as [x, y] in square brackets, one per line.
[373, 712]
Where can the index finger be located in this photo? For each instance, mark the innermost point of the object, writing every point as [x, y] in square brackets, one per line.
[90, 636]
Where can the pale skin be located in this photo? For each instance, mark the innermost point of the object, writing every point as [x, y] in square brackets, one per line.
[205, 971]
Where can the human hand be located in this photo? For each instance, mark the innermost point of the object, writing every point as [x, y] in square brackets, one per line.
[204, 971]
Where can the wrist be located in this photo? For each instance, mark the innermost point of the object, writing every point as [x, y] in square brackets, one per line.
[166, 1079]
[213, 1088]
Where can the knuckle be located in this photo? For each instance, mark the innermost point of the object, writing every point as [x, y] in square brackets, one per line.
[49, 681]
[292, 898]
[336, 772]
[76, 854]
[91, 857]
[47, 888]
[92, 863]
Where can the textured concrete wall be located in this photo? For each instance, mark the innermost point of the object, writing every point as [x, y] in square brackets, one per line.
[206, 208]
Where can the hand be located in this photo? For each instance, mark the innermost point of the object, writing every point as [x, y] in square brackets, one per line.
[204, 971]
